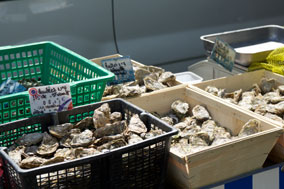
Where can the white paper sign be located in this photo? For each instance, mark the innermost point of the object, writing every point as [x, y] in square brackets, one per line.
[121, 67]
[50, 98]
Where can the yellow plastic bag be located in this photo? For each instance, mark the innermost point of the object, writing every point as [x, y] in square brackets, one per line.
[274, 62]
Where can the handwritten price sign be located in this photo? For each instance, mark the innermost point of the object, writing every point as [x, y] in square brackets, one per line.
[121, 67]
[50, 98]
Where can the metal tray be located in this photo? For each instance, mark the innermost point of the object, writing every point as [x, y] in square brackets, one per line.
[245, 38]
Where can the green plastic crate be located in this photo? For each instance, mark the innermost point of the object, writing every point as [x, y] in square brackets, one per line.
[53, 64]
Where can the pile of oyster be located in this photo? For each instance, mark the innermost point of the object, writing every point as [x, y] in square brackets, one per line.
[199, 130]
[27, 83]
[147, 79]
[92, 135]
[265, 98]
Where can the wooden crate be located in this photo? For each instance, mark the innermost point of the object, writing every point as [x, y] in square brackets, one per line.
[245, 81]
[217, 163]
[98, 61]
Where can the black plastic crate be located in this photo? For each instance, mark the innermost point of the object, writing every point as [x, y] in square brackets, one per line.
[141, 165]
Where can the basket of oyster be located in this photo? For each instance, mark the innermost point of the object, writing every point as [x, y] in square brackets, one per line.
[261, 92]
[147, 80]
[112, 144]
[216, 142]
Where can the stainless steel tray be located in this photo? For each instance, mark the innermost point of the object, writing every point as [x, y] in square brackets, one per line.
[245, 38]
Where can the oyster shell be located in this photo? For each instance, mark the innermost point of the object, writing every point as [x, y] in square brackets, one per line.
[194, 140]
[83, 152]
[209, 127]
[152, 84]
[112, 144]
[48, 145]
[115, 116]
[29, 139]
[234, 95]
[99, 119]
[281, 89]
[66, 153]
[110, 129]
[167, 77]
[256, 89]
[136, 125]
[85, 123]
[83, 139]
[130, 91]
[267, 85]
[16, 154]
[31, 150]
[180, 125]
[221, 132]
[251, 127]
[53, 160]
[274, 117]
[32, 162]
[168, 120]
[247, 100]
[106, 139]
[180, 108]
[218, 141]
[140, 74]
[200, 113]
[215, 91]
[60, 131]
[134, 138]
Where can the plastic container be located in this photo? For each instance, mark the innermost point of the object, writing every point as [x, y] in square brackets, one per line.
[53, 64]
[188, 77]
[142, 164]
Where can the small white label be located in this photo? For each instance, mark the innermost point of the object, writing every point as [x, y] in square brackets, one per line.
[50, 98]
[223, 54]
[121, 67]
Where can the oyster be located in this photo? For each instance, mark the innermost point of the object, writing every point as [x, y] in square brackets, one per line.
[168, 120]
[140, 74]
[134, 138]
[279, 108]
[83, 139]
[130, 91]
[31, 150]
[180, 108]
[167, 77]
[251, 127]
[274, 117]
[99, 119]
[105, 109]
[16, 154]
[180, 125]
[32, 162]
[194, 140]
[281, 89]
[136, 125]
[247, 100]
[221, 132]
[235, 96]
[112, 144]
[60, 131]
[29, 139]
[66, 153]
[83, 152]
[106, 139]
[200, 113]
[218, 141]
[215, 91]
[209, 127]
[53, 160]
[152, 84]
[256, 89]
[85, 123]
[48, 145]
[267, 85]
[115, 116]
[110, 129]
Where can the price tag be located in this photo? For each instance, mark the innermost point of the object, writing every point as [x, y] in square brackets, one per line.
[50, 98]
[121, 67]
[223, 54]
